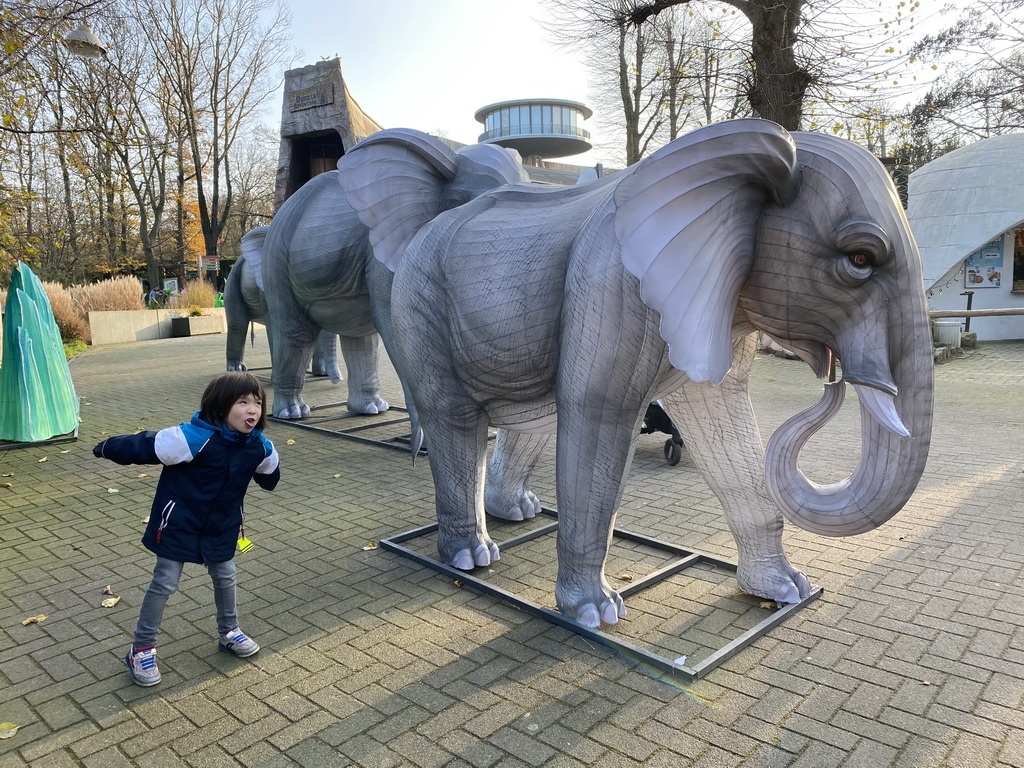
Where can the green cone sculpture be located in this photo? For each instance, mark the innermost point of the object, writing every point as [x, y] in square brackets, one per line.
[37, 397]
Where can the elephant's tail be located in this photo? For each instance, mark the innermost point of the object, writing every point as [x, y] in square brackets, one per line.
[252, 333]
[417, 441]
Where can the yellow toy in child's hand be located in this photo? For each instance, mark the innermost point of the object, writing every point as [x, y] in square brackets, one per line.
[244, 545]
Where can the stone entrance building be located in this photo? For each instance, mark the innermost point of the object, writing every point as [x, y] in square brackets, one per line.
[320, 121]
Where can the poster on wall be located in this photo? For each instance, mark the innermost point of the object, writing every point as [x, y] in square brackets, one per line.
[983, 268]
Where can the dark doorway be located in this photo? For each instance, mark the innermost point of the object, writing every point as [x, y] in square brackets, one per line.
[311, 155]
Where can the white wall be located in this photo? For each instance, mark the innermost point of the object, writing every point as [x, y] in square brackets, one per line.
[945, 294]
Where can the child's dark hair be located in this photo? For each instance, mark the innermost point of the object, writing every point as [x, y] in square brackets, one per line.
[223, 392]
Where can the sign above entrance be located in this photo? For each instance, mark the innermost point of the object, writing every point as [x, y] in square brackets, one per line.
[315, 96]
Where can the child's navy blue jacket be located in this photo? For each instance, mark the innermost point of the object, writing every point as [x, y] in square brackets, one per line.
[197, 510]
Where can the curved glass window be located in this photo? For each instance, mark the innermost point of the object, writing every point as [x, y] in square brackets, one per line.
[513, 119]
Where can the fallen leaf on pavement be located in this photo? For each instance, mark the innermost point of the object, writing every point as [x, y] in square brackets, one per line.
[457, 583]
[107, 590]
[65, 451]
[370, 545]
[289, 442]
[769, 604]
[338, 475]
[112, 490]
[5, 485]
[145, 519]
[42, 460]
[626, 577]
[7, 730]
[34, 619]
[110, 602]
[7, 474]
[143, 475]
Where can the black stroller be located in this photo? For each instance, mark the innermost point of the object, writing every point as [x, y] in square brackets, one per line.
[656, 420]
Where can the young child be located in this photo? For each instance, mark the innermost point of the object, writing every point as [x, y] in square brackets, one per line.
[197, 512]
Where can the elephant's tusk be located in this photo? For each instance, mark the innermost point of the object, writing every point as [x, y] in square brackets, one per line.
[882, 408]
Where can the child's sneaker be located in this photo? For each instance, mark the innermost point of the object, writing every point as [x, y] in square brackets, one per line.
[237, 643]
[142, 666]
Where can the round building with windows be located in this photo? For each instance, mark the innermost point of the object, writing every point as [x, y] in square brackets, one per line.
[536, 128]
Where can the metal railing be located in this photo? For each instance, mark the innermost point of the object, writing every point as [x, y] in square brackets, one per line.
[545, 130]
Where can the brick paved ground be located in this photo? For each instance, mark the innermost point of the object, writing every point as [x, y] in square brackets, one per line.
[913, 657]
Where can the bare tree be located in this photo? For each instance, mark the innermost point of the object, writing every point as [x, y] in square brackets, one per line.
[653, 80]
[217, 59]
[791, 50]
[982, 55]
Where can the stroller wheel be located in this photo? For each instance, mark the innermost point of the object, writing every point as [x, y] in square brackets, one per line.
[673, 452]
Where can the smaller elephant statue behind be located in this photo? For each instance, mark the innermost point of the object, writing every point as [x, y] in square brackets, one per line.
[244, 304]
[318, 273]
[533, 309]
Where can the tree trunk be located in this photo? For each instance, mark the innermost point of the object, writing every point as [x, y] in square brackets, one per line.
[778, 84]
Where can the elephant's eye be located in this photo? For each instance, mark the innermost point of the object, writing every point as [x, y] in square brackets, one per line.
[854, 269]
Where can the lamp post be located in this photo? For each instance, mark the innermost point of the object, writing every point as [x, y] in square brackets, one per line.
[84, 44]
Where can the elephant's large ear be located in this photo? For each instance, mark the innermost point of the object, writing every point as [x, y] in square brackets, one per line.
[252, 252]
[481, 168]
[395, 181]
[686, 222]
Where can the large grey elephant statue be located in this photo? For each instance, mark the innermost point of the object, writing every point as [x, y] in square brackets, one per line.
[245, 303]
[319, 273]
[528, 307]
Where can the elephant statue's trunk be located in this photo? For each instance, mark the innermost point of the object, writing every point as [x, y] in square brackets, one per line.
[891, 461]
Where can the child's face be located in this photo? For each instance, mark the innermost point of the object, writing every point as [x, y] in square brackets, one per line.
[245, 414]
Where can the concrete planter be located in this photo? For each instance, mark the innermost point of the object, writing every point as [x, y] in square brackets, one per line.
[142, 324]
[196, 326]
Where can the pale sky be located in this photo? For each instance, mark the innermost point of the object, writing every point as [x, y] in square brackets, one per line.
[430, 64]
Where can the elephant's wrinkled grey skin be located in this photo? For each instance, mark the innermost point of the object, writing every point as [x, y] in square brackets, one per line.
[593, 301]
[244, 304]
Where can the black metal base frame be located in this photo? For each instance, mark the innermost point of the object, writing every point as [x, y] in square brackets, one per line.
[655, 661]
[316, 424]
[70, 437]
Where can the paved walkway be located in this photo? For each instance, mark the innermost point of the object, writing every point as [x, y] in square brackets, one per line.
[913, 657]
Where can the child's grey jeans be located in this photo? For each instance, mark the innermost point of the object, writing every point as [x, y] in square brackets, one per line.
[166, 576]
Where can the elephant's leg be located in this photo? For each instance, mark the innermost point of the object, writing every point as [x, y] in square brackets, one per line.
[609, 363]
[718, 427]
[291, 346]
[361, 360]
[325, 357]
[515, 457]
[458, 448]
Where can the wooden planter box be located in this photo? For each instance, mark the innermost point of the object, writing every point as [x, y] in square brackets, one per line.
[196, 326]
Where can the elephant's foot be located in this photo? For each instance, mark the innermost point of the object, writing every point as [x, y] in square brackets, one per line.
[367, 405]
[332, 372]
[285, 408]
[467, 554]
[236, 365]
[516, 505]
[591, 605]
[772, 578]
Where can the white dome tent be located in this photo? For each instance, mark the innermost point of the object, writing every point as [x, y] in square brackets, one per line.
[963, 202]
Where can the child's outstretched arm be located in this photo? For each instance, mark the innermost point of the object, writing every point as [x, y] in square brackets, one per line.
[139, 448]
[269, 470]
[168, 446]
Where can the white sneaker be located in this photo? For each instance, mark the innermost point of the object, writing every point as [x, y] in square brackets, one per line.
[237, 643]
[142, 666]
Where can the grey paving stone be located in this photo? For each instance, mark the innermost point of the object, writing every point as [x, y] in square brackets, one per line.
[913, 656]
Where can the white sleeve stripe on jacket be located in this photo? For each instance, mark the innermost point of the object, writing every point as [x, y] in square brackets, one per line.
[269, 464]
[171, 446]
